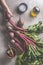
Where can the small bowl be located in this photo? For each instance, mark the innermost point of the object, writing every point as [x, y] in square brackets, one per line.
[9, 53]
[22, 8]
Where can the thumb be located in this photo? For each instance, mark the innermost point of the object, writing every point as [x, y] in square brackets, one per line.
[10, 13]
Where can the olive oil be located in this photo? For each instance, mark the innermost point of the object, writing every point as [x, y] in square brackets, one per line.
[35, 11]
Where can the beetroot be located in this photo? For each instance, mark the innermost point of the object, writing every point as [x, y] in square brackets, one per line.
[17, 44]
[18, 41]
[20, 23]
[24, 37]
[15, 26]
[18, 36]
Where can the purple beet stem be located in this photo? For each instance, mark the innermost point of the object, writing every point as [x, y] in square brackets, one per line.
[16, 27]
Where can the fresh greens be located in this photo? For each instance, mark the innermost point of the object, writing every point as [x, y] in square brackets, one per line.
[36, 28]
[34, 53]
[30, 57]
[32, 35]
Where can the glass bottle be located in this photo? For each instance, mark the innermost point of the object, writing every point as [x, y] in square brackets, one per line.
[35, 11]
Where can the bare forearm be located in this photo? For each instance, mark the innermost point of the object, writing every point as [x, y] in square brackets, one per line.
[5, 8]
[4, 5]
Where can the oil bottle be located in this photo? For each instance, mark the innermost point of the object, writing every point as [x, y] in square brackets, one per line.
[35, 11]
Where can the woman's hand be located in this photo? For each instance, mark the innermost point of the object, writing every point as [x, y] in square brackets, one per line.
[6, 8]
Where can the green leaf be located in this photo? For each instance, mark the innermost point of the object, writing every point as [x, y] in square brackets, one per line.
[36, 28]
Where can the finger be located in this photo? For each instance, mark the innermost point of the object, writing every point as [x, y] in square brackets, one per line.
[9, 16]
[10, 13]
